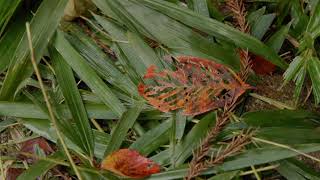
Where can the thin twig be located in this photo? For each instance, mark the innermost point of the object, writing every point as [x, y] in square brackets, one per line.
[259, 170]
[309, 90]
[46, 98]
[96, 124]
[293, 41]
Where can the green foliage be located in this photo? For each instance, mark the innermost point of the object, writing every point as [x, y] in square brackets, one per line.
[43, 25]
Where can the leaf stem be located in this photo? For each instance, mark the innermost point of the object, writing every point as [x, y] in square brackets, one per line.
[259, 170]
[46, 98]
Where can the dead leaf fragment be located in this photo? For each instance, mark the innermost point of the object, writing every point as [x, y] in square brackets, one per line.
[129, 163]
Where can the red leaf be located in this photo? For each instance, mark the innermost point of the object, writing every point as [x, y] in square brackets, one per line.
[262, 66]
[29, 147]
[129, 163]
[13, 173]
[196, 86]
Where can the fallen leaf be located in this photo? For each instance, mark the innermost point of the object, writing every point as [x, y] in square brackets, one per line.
[262, 66]
[13, 173]
[29, 147]
[129, 163]
[196, 86]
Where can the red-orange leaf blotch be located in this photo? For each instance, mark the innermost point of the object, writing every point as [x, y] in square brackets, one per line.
[196, 86]
[129, 163]
[262, 66]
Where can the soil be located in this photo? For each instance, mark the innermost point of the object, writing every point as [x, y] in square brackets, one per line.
[270, 86]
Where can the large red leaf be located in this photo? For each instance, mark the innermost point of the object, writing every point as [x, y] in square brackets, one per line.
[129, 163]
[196, 86]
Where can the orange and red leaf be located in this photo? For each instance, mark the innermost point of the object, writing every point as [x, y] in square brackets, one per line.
[129, 163]
[196, 86]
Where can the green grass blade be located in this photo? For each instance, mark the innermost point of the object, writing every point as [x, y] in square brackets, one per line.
[314, 71]
[29, 110]
[96, 111]
[300, 19]
[11, 38]
[313, 25]
[225, 176]
[217, 29]
[178, 38]
[145, 52]
[245, 159]
[7, 9]
[281, 118]
[254, 16]
[73, 99]
[99, 61]
[293, 168]
[261, 25]
[192, 140]
[87, 74]
[199, 6]
[299, 81]
[180, 125]
[43, 128]
[152, 139]
[132, 47]
[126, 122]
[43, 25]
[277, 39]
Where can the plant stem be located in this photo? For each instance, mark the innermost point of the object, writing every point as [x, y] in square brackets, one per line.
[46, 98]
[259, 170]
[255, 172]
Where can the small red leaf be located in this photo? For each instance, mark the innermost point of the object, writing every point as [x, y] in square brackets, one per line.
[129, 163]
[29, 147]
[196, 86]
[262, 66]
[13, 173]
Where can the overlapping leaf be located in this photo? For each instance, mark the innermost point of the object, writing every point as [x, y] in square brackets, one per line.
[129, 163]
[196, 86]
